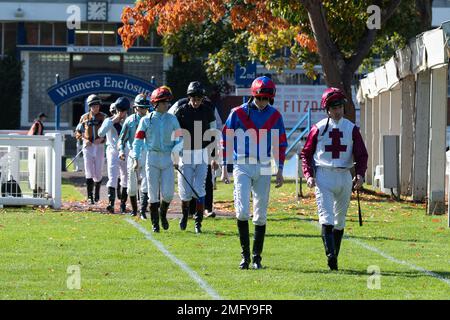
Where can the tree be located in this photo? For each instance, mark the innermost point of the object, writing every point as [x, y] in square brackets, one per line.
[333, 33]
[182, 73]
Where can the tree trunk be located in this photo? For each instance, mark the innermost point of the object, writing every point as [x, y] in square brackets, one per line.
[424, 10]
[338, 72]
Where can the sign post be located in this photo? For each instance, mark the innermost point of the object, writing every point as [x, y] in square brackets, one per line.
[57, 108]
[244, 76]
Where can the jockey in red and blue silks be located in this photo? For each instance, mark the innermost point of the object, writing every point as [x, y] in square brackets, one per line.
[251, 132]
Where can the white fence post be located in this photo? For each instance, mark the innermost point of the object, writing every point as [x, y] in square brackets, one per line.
[56, 169]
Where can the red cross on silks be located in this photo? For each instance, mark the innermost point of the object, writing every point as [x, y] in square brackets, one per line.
[336, 147]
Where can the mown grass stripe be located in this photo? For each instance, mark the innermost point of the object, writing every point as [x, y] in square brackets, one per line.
[194, 275]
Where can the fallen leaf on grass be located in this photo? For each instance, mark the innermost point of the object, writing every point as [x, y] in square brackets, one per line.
[436, 220]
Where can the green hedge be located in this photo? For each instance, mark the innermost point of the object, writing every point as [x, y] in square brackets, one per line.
[10, 92]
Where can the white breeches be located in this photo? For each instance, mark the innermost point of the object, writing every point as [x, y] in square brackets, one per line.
[333, 192]
[160, 176]
[134, 177]
[116, 168]
[254, 178]
[93, 161]
[196, 175]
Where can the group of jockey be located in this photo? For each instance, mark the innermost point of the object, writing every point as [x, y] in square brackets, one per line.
[144, 150]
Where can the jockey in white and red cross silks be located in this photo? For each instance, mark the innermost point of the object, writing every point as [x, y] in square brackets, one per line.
[263, 125]
[333, 146]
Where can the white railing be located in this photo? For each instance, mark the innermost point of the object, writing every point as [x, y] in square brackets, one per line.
[64, 134]
[33, 163]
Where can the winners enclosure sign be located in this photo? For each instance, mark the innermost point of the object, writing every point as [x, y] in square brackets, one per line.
[98, 83]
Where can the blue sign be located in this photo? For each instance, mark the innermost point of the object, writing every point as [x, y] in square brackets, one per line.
[244, 76]
[98, 83]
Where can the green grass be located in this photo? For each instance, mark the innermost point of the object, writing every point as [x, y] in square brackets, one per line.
[70, 193]
[117, 262]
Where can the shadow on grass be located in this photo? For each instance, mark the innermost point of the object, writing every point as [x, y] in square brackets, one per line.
[386, 239]
[234, 234]
[362, 272]
[292, 235]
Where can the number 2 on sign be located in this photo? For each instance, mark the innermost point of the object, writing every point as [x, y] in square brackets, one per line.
[244, 73]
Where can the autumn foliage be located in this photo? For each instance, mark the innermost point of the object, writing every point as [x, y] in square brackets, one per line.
[170, 16]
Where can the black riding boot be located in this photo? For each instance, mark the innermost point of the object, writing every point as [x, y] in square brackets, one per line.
[154, 216]
[199, 217]
[185, 212]
[97, 191]
[123, 200]
[163, 214]
[192, 207]
[330, 248]
[338, 234]
[119, 190]
[111, 198]
[258, 243]
[244, 238]
[90, 188]
[134, 206]
[144, 204]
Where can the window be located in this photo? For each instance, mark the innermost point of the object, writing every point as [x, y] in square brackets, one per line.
[32, 33]
[157, 39]
[110, 35]
[9, 38]
[82, 35]
[144, 42]
[46, 34]
[95, 34]
[60, 34]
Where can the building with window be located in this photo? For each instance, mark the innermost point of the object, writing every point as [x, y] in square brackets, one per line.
[72, 38]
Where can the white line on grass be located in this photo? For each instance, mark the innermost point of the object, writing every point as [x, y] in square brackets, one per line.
[390, 258]
[194, 275]
[412, 266]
